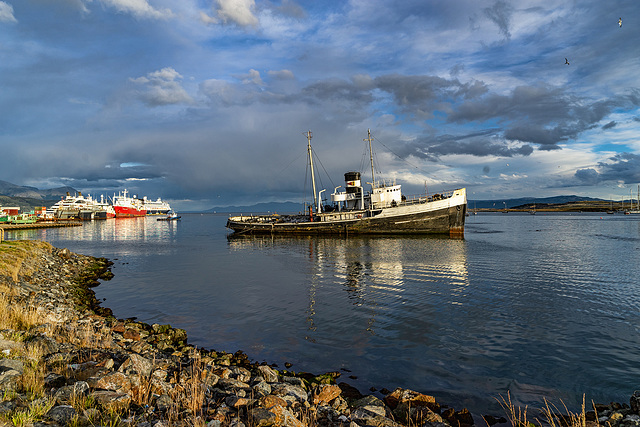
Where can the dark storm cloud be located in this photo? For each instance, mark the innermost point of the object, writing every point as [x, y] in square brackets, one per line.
[478, 144]
[540, 114]
[609, 125]
[338, 90]
[623, 167]
[423, 95]
[535, 115]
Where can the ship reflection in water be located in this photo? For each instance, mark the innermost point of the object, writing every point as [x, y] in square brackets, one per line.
[160, 234]
[372, 298]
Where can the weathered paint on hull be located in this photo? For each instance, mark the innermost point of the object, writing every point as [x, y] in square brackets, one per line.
[448, 220]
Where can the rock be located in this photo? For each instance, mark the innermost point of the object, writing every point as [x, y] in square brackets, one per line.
[349, 392]
[294, 381]
[289, 391]
[6, 346]
[131, 335]
[67, 394]
[284, 417]
[62, 414]
[262, 417]
[114, 381]
[323, 394]
[137, 364]
[53, 380]
[261, 389]
[65, 254]
[238, 402]
[414, 398]
[272, 400]
[269, 374]
[10, 374]
[634, 402]
[339, 404]
[327, 414]
[240, 374]
[46, 344]
[11, 365]
[111, 400]
[372, 416]
[368, 401]
[464, 417]
[231, 385]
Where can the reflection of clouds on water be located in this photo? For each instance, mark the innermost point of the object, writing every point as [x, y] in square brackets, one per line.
[378, 277]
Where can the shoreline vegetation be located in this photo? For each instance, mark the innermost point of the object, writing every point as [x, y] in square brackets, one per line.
[580, 206]
[66, 360]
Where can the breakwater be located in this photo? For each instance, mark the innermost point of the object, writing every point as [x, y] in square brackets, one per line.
[70, 361]
[36, 225]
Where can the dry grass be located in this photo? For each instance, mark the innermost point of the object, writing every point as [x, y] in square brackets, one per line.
[518, 417]
[15, 316]
[28, 416]
[34, 372]
[13, 253]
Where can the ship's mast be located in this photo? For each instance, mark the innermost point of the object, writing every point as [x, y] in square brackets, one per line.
[373, 178]
[313, 177]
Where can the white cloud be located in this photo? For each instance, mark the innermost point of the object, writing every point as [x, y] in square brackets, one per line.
[6, 13]
[252, 78]
[139, 8]
[162, 88]
[239, 12]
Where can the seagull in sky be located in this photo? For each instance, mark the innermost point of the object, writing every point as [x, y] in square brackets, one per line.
[620, 22]
[566, 61]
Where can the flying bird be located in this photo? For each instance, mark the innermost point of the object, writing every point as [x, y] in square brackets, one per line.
[566, 61]
[620, 22]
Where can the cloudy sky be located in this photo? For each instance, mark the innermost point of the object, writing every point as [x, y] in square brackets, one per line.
[205, 102]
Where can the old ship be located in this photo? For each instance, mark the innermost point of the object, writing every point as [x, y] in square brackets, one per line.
[382, 210]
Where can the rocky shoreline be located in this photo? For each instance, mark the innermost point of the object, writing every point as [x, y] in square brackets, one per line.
[65, 360]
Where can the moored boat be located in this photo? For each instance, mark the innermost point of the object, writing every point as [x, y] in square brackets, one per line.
[156, 207]
[171, 216]
[80, 207]
[23, 218]
[126, 206]
[382, 210]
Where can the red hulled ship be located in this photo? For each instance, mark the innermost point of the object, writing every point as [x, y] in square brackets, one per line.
[128, 206]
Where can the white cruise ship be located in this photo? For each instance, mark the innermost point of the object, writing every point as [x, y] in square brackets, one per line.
[156, 207]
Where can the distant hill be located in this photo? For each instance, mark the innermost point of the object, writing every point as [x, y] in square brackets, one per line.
[281, 207]
[291, 207]
[513, 203]
[11, 190]
[27, 198]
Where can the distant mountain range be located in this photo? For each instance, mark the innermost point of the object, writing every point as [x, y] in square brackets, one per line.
[11, 190]
[283, 207]
[291, 207]
[28, 198]
[512, 203]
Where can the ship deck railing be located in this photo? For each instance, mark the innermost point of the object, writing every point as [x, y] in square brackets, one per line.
[269, 218]
[418, 199]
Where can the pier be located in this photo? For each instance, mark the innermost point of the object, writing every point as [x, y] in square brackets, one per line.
[39, 224]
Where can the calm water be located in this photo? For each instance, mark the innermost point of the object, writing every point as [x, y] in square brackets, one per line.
[544, 306]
